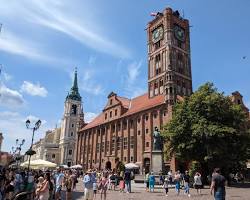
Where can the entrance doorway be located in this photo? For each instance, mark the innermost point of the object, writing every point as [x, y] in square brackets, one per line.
[146, 165]
[108, 165]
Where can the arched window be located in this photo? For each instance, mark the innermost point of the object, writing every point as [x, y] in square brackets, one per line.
[73, 109]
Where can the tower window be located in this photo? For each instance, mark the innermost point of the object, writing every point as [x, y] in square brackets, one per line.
[72, 125]
[147, 144]
[158, 45]
[110, 114]
[111, 101]
[139, 132]
[115, 112]
[125, 159]
[132, 159]
[73, 109]
[70, 152]
[146, 117]
[106, 116]
[146, 130]
[53, 155]
[71, 134]
[239, 102]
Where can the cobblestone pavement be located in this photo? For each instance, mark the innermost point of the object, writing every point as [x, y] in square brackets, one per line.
[138, 192]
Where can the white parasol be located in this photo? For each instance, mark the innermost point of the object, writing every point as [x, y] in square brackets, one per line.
[131, 166]
[76, 167]
[39, 164]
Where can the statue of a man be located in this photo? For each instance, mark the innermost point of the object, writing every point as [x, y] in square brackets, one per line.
[157, 140]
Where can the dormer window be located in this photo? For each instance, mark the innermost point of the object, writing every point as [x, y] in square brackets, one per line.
[111, 102]
[239, 102]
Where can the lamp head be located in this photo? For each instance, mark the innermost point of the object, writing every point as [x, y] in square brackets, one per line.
[27, 123]
[38, 124]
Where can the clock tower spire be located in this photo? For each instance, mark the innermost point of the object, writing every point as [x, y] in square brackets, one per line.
[169, 64]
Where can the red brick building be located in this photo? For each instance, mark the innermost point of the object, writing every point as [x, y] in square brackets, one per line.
[124, 128]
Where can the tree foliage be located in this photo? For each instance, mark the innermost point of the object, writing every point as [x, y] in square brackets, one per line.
[209, 128]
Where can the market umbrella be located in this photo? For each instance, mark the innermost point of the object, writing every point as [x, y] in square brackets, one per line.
[131, 166]
[37, 164]
[64, 166]
[76, 167]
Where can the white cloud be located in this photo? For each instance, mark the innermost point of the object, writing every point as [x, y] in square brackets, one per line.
[66, 18]
[133, 71]
[33, 89]
[131, 83]
[13, 127]
[89, 85]
[10, 98]
[12, 43]
[6, 76]
[89, 116]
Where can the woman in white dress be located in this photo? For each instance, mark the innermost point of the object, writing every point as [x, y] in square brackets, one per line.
[43, 191]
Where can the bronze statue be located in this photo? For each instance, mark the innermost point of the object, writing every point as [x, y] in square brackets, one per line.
[158, 140]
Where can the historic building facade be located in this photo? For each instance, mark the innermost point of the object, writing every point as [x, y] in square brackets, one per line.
[124, 128]
[58, 145]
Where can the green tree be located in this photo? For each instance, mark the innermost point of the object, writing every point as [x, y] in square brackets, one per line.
[209, 128]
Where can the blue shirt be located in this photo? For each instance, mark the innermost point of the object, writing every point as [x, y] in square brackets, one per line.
[88, 181]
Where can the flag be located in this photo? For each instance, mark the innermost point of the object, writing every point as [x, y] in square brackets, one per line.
[153, 14]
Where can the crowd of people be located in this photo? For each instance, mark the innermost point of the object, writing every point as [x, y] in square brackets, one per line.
[183, 181]
[37, 184]
[47, 185]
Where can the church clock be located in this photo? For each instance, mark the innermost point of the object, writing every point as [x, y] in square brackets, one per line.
[157, 34]
[179, 33]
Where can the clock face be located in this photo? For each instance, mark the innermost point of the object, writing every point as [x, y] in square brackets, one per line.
[157, 34]
[179, 33]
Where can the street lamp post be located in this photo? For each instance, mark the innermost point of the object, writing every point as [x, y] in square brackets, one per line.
[30, 152]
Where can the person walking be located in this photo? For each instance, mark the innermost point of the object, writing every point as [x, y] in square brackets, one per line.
[59, 179]
[127, 179]
[44, 191]
[177, 179]
[186, 179]
[218, 185]
[165, 186]
[197, 182]
[69, 185]
[103, 186]
[151, 182]
[88, 181]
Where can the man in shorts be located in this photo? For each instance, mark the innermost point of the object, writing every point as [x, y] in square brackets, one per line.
[59, 179]
[88, 182]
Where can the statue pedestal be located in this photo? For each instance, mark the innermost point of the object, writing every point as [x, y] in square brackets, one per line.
[157, 161]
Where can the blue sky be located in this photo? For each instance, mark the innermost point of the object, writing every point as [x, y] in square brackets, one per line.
[43, 41]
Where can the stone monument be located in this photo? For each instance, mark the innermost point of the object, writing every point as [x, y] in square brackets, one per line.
[157, 154]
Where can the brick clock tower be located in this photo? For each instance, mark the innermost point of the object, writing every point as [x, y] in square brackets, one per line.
[169, 64]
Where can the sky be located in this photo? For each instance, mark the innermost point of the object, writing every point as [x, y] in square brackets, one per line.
[42, 42]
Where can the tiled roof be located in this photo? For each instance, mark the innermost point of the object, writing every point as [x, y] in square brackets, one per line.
[125, 101]
[134, 105]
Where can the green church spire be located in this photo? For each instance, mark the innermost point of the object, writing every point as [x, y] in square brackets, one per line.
[74, 93]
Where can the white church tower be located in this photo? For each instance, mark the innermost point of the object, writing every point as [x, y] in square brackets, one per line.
[72, 118]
